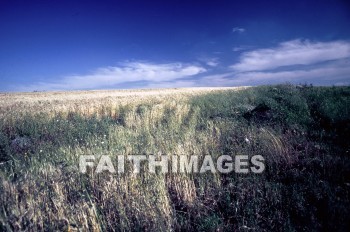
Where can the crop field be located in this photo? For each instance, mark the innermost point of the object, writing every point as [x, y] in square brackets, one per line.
[302, 133]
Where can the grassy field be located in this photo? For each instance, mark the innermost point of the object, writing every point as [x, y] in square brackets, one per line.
[301, 131]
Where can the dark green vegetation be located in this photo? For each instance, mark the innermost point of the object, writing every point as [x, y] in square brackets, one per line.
[302, 132]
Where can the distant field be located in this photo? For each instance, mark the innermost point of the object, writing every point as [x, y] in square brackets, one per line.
[90, 102]
[301, 131]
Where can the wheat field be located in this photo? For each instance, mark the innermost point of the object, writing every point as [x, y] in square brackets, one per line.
[298, 130]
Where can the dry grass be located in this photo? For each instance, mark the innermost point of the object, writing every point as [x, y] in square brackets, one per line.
[41, 188]
[92, 102]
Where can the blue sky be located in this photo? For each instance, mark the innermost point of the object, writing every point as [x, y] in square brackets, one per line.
[71, 45]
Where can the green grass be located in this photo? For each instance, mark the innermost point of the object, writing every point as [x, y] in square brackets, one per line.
[302, 132]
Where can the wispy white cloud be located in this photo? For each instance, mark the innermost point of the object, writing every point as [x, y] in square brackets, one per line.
[173, 84]
[212, 62]
[334, 73]
[238, 30]
[126, 72]
[296, 61]
[295, 52]
[318, 63]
